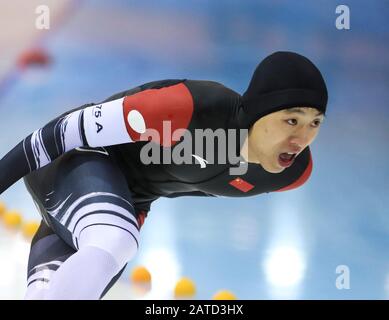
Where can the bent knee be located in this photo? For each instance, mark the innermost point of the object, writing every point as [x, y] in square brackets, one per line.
[121, 243]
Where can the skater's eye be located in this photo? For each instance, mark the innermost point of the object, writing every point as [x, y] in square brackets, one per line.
[316, 123]
[291, 122]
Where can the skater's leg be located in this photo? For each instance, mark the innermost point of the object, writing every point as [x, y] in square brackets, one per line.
[85, 199]
[48, 252]
[103, 251]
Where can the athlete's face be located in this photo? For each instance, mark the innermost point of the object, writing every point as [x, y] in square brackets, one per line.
[275, 135]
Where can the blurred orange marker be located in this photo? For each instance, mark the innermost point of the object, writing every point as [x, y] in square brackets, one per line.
[12, 219]
[3, 208]
[29, 229]
[185, 288]
[140, 275]
[224, 295]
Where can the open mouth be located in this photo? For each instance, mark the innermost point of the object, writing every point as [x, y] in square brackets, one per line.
[286, 159]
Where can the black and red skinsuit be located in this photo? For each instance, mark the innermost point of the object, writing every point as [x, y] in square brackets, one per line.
[186, 104]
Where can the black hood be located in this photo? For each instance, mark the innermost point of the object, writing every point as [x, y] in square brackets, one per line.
[282, 80]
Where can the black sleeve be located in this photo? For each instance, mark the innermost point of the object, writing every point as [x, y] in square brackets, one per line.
[76, 128]
[91, 125]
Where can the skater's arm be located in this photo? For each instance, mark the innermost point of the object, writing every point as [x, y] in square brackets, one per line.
[91, 125]
[118, 121]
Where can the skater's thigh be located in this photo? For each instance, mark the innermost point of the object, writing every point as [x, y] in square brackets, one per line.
[83, 188]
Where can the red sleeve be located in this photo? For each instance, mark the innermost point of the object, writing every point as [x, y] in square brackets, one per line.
[302, 179]
[149, 109]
